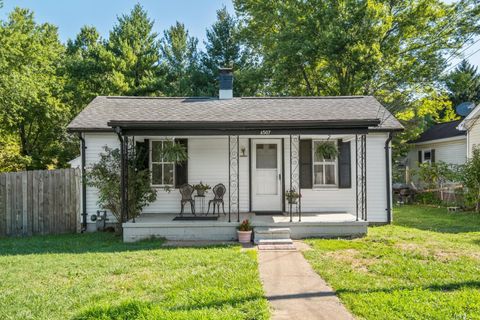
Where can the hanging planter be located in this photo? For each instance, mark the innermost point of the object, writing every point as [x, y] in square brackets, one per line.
[174, 152]
[326, 150]
[292, 196]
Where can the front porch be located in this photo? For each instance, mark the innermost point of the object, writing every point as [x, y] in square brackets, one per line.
[321, 224]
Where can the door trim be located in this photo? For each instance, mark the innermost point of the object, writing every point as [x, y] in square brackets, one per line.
[250, 178]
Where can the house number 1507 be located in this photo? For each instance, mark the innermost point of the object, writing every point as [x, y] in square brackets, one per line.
[265, 132]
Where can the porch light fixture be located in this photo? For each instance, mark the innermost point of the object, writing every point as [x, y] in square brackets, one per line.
[243, 151]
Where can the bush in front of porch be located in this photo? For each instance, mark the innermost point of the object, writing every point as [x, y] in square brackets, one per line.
[105, 176]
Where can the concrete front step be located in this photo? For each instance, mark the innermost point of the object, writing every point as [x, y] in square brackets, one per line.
[275, 241]
[269, 234]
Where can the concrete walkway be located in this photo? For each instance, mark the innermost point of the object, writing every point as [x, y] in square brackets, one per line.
[294, 290]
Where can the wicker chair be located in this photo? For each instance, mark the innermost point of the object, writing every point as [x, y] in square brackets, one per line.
[186, 190]
[219, 191]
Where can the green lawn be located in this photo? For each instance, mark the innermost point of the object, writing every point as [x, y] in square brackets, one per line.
[425, 266]
[96, 276]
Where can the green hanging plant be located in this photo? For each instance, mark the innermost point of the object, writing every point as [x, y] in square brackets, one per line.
[326, 150]
[174, 152]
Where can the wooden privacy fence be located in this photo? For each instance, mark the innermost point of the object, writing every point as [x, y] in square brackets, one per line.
[40, 202]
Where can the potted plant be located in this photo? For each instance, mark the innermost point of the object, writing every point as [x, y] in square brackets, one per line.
[292, 196]
[201, 188]
[244, 232]
[326, 150]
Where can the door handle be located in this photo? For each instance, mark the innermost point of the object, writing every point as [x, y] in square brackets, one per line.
[280, 176]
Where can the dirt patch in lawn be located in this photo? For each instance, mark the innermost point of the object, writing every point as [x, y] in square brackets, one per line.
[352, 257]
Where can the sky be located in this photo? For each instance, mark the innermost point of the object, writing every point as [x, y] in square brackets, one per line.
[197, 15]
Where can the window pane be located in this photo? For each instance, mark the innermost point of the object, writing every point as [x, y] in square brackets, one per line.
[329, 174]
[168, 173]
[156, 174]
[318, 174]
[427, 155]
[266, 156]
[156, 151]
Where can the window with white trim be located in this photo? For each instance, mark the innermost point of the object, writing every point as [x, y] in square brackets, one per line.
[427, 156]
[324, 169]
[163, 172]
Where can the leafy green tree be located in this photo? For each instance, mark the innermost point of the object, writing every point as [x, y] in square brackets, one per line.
[463, 84]
[348, 47]
[32, 112]
[89, 70]
[225, 48]
[471, 179]
[180, 56]
[135, 47]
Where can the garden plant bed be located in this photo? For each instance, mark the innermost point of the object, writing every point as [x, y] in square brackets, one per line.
[96, 276]
[424, 266]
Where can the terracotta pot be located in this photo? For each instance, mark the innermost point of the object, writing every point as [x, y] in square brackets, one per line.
[244, 236]
[201, 193]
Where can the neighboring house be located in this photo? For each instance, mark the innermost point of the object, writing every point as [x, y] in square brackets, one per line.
[441, 142]
[259, 148]
[76, 163]
[471, 127]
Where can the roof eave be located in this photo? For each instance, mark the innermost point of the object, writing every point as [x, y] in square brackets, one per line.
[266, 124]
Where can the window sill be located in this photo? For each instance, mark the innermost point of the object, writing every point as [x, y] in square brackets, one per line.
[323, 188]
[162, 187]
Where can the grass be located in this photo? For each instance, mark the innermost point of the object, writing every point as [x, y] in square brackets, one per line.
[96, 276]
[424, 266]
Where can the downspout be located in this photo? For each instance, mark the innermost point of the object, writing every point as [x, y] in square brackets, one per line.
[387, 173]
[84, 183]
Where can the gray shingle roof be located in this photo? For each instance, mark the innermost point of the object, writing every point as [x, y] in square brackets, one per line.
[104, 109]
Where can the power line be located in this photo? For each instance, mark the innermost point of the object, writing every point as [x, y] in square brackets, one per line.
[456, 64]
[459, 53]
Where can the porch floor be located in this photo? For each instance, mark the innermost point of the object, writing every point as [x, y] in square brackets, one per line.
[338, 224]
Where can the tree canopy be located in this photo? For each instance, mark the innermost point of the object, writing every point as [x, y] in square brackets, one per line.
[396, 50]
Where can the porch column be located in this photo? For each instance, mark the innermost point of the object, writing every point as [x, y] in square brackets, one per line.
[233, 177]
[361, 176]
[295, 173]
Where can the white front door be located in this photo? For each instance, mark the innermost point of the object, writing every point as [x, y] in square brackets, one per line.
[266, 175]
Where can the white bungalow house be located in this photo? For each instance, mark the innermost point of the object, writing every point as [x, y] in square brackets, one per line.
[259, 148]
[471, 127]
[441, 142]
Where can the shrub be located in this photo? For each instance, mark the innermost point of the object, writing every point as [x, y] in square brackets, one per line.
[105, 176]
[471, 179]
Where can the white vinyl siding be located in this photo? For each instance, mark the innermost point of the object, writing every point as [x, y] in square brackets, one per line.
[453, 152]
[473, 137]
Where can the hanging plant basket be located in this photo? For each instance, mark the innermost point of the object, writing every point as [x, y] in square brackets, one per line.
[326, 150]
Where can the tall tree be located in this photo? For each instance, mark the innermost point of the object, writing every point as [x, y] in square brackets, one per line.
[89, 69]
[180, 56]
[31, 109]
[224, 48]
[136, 49]
[463, 84]
[346, 47]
